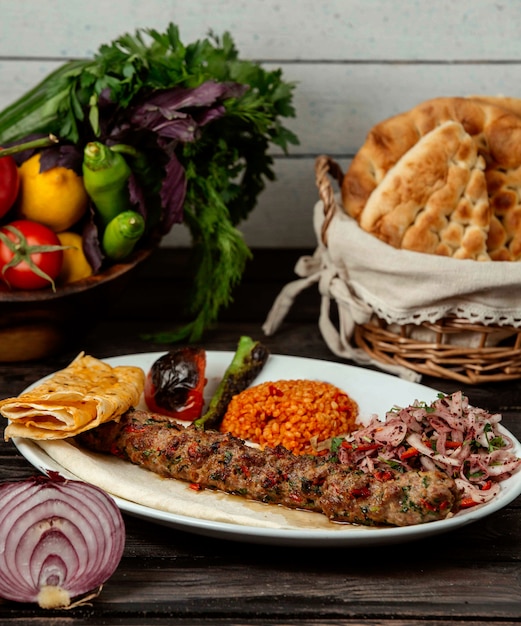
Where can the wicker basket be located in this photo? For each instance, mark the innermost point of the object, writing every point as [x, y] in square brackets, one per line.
[460, 349]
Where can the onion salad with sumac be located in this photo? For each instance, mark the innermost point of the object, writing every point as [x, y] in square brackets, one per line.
[449, 434]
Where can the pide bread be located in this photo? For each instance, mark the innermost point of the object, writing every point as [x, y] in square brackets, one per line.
[449, 212]
[442, 178]
[510, 104]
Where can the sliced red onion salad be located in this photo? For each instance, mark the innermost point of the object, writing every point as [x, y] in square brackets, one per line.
[59, 539]
[449, 435]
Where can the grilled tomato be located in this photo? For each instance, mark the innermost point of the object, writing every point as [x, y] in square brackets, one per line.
[175, 383]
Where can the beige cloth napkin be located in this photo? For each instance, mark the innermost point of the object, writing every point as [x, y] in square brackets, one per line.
[365, 276]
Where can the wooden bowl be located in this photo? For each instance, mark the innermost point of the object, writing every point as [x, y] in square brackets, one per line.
[37, 324]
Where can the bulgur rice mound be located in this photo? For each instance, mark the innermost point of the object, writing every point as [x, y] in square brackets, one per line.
[297, 414]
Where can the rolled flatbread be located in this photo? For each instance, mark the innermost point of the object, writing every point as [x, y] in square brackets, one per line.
[83, 395]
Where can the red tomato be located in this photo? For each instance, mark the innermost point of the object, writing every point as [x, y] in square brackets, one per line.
[9, 183]
[36, 256]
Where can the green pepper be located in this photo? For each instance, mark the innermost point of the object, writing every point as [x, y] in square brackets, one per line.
[122, 234]
[105, 176]
[144, 171]
[248, 360]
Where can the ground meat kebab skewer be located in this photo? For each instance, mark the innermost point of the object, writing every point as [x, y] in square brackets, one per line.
[215, 460]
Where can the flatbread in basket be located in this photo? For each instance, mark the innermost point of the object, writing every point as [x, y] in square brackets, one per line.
[364, 277]
[409, 247]
[459, 148]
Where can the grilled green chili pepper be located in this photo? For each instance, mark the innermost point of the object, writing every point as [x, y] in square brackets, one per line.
[122, 234]
[105, 176]
[248, 360]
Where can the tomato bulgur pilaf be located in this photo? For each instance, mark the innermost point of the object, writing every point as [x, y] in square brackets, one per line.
[294, 413]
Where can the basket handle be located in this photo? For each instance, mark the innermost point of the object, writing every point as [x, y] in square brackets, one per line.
[325, 168]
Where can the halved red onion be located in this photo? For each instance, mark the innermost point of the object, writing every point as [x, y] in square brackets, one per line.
[59, 539]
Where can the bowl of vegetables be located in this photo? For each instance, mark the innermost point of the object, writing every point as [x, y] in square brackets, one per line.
[111, 153]
[35, 324]
[58, 275]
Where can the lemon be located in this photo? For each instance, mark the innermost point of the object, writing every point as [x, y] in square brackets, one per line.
[55, 198]
[75, 265]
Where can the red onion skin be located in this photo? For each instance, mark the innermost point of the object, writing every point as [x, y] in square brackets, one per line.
[59, 539]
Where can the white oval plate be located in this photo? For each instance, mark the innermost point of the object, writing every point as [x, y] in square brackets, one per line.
[230, 517]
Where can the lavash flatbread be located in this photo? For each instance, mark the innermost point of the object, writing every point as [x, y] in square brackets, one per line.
[83, 395]
[138, 485]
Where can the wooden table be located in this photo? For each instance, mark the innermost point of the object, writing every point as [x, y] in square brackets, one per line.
[467, 576]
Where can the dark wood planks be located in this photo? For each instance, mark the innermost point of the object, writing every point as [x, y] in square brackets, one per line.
[469, 576]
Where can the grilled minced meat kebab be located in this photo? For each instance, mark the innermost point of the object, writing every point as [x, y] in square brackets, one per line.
[210, 459]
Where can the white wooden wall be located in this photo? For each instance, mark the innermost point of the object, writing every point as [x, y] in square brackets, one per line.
[355, 61]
